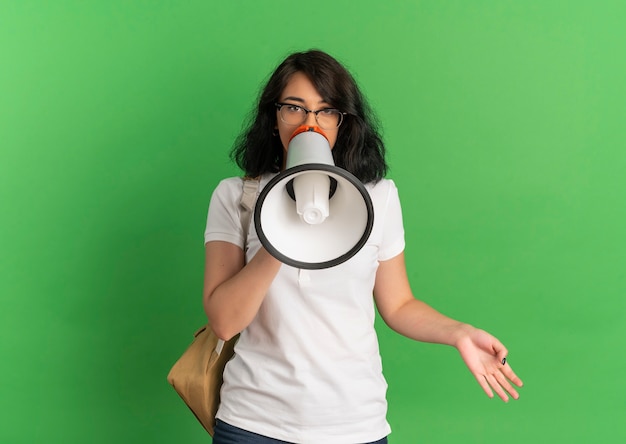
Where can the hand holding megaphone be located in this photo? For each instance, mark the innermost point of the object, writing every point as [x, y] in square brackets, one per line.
[313, 214]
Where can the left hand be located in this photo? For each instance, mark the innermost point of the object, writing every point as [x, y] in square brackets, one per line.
[485, 357]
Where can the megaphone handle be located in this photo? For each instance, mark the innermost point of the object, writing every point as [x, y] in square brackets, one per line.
[292, 194]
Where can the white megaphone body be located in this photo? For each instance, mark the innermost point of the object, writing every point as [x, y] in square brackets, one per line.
[313, 214]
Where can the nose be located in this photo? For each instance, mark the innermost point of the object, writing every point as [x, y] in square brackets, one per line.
[310, 119]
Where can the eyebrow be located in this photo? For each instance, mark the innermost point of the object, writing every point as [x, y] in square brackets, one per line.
[298, 99]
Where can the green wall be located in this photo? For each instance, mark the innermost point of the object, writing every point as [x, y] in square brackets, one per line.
[505, 127]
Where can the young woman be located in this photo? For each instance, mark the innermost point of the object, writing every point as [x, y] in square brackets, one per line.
[307, 367]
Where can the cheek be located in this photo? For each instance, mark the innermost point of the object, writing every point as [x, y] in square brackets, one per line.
[332, 138]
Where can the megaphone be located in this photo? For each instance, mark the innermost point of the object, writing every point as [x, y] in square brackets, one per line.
[313, 215]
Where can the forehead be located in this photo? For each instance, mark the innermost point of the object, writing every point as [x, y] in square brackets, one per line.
[300, 86]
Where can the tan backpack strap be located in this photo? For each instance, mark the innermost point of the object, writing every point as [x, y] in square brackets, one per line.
[246, 204]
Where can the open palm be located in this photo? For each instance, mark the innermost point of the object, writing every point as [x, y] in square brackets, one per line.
[485, 356]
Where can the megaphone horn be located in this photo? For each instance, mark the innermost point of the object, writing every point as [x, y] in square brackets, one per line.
[313, 215]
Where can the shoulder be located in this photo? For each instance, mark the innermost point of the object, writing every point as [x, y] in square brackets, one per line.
[227, 193]
[229, 184]
[382, 184]
[383, 189]
[228, 188]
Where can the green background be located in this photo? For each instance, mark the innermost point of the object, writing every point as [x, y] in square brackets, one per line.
[504, 122]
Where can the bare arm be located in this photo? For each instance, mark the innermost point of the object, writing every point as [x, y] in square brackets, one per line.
[484, 355]
[406, 315]
[234, 291]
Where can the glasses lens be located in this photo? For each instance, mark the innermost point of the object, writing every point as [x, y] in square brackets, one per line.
[292, 114]
[329, 118]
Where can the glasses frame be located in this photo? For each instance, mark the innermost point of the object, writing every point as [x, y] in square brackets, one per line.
[279, 106]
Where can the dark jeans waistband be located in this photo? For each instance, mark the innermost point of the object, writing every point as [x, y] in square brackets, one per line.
[229, 434]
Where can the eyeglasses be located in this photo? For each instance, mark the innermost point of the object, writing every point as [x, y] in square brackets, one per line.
[326, 118]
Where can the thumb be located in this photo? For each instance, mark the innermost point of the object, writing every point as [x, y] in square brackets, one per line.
[501, 355]
[500, 351]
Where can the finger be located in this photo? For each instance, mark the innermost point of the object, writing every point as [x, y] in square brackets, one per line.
[506, 385]
[496, 345]
[483, 383]
[510, 374]
[501, 354]
[493, 382]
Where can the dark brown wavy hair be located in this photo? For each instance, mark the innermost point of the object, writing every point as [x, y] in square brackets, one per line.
[359, 148]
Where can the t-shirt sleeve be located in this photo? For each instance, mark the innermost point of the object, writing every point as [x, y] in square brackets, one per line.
[393, 229]
[223, 223]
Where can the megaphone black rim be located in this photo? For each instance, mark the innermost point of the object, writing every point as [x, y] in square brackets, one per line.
[320, 167]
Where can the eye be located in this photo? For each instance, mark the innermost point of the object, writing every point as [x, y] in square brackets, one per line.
[329, 112]
[293, 109]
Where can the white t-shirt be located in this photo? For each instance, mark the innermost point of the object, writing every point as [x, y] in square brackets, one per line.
[308, 368]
